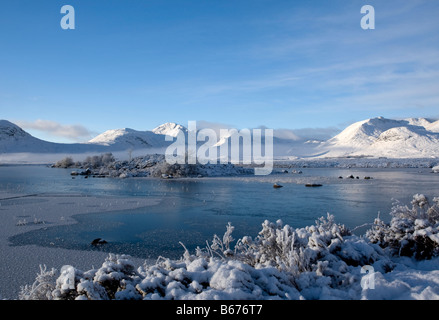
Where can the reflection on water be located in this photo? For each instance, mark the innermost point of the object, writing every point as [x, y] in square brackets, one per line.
[193, 210]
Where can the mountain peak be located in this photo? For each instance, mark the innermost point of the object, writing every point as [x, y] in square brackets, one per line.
[434, 126]
[386, 137]
[7, 124]
[169, 128]
[129, 138]
[109, 136]
[9, 130]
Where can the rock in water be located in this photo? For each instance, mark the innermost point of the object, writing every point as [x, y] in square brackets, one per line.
[313, 185]
[98, 242]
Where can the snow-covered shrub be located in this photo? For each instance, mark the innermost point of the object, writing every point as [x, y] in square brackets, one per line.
[289, 249]
[326, 250]
[98, 161]
[114, 280]
[219, 247]
[67, 162]
[322, 261]
[280, 263]
[94, 162]
[22, 222]
[412, 231]
[213, 278]
[42, 287]
[175, 170]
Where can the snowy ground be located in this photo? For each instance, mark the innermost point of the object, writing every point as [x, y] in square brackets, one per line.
[410, 280]
[322, 261]
[19, 212]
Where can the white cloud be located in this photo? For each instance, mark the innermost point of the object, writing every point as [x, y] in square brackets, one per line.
[74, 132]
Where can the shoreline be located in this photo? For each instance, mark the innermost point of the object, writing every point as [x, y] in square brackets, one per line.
[360, 162]
[20, 264]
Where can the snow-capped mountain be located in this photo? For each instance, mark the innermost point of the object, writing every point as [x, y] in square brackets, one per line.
[170, 129]
[13, 139]
[10, 132]
[381, 137]
[433, 127]
[124, 139]
[376, 137]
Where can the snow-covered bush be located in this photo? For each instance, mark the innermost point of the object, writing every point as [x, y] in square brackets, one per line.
[322, 261]
[288, 249]
[280, 263]
[175, 170]
[98, 161]
[42, 287]
[412, 231]
[67, 162]
[326, 250]
[115, 279]
[213, 278]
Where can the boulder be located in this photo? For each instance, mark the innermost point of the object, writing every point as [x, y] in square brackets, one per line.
[98, 242]
[313, 185]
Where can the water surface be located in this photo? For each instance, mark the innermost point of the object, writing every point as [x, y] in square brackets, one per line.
[193, 210]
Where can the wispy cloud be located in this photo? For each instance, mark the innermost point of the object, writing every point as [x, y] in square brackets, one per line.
[76, 132]
[341, 60]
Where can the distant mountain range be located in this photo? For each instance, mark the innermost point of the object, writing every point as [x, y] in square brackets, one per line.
[376, 137]
[13, 139]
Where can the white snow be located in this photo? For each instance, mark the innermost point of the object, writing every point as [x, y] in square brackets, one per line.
[15, 142]
[110, 136]
[125, 139]
[323, 261]
[408, 281]
[170, 129]
[375, 137]
[434, 127]
[380, 137]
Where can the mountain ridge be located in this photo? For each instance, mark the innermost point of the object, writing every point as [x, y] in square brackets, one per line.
[381, 137]
[374, 137]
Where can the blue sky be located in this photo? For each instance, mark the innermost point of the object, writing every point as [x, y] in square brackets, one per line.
[303, 65]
